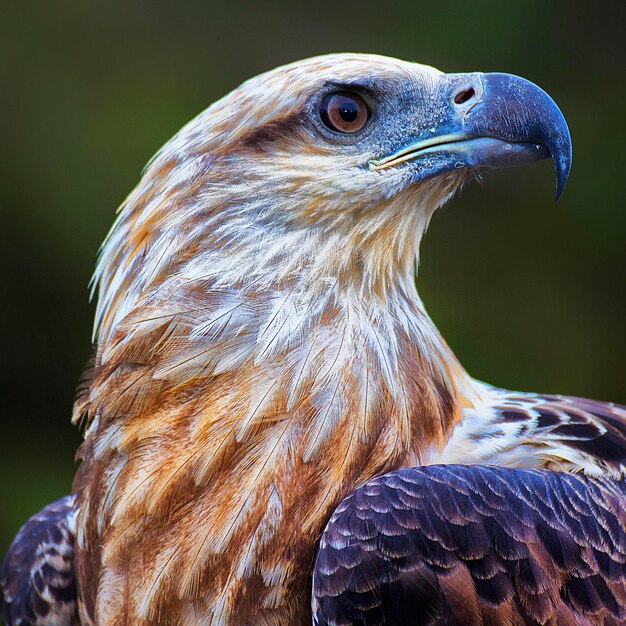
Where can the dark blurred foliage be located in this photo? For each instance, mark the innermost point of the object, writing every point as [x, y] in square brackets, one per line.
[529, 293]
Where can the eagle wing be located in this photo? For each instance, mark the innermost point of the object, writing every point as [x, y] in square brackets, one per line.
[37, 582]
[474, 545]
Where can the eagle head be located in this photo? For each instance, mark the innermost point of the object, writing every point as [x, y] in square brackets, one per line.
[330, 166]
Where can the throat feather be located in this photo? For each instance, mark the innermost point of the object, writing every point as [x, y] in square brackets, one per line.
[248, 399]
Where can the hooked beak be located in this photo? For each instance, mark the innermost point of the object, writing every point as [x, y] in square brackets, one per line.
[489, 121]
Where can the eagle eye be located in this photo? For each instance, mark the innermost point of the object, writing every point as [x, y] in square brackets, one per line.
[344, 112]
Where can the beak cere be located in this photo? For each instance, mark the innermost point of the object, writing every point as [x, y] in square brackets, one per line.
[490, 121]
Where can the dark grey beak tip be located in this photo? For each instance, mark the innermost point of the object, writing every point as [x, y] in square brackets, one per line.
[562, 165]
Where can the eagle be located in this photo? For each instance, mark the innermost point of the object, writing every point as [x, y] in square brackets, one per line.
[275, 432]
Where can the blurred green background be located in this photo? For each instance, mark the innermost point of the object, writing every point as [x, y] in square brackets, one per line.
[529, 293]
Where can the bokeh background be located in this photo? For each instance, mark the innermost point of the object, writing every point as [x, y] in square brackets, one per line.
[530, 294]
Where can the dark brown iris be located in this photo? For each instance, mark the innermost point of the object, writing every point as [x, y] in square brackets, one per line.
[344, 112]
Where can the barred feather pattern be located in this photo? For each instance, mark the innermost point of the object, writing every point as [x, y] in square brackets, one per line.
[37, 578]
[533, 430]
[458, 545]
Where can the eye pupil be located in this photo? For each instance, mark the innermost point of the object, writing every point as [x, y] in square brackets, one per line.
[348, 112]
[344, 112]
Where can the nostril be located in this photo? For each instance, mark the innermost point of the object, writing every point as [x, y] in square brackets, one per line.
[463, 96]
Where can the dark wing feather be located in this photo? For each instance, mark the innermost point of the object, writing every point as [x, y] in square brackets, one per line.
[37, 584]
[468, 545]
